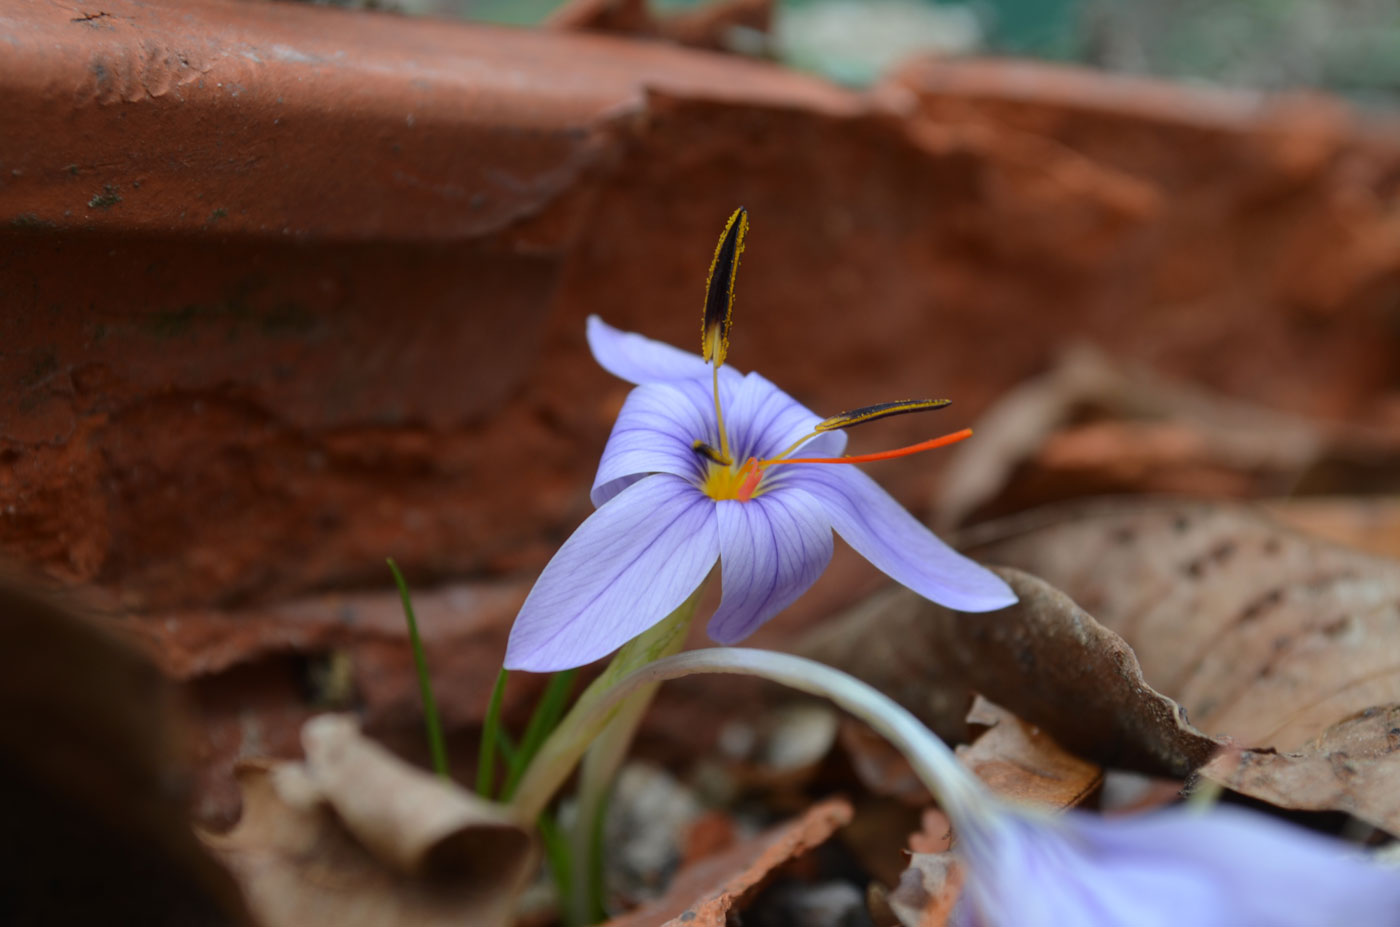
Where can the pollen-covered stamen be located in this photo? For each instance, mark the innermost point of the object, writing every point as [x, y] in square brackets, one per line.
[719, 288]
[709, 453]
[878, 411]
[719, 307]
[862, 415]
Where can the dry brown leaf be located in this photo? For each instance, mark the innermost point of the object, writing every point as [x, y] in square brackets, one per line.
[1265, 635]
[1262, 633]
[1044, 659]
[929, 887]
[935, 833]
[1369, 523]
[1016, 760]
[880, 767]
[1353, 766]
[928, 890]
[94, 778]
[357, 837]
[876, 836]
[704, 894]
[1096, 426]
[1023, 763]
[417, 823]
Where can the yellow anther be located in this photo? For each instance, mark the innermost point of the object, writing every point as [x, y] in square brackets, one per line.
[719, 308]
[719, 288]
[878, 411]
[709, 453]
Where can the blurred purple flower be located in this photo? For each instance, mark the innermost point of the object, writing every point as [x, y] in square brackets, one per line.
[670, 503]
[1221, 867]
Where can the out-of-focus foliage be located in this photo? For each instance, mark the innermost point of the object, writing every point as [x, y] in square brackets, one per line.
[1351, 48]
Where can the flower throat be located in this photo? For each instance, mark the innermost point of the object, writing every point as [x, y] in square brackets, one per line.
[723, 479]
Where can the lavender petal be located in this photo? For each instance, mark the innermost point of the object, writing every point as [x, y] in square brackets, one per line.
[638, 359]
[1217, 868]
[631, 563]
[763, 421]
[879, 528]
[772, 548]
[655, 433]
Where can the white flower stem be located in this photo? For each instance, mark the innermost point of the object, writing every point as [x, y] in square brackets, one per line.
[969, 806]
[961, 795]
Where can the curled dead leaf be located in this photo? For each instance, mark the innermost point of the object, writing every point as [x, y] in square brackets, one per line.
[928, 890]
[417, 823]
[357, 837]
[1369, 523]
[880, 767]
[1262, 633]
[1281, 641]
[929, 887]
[1094, 425]
[707, 892]
[1266, 637]
[1044, 659]
[1021, 762]
[1015, 758]
[1017, 761]
[1353, 766]
[1040, 442]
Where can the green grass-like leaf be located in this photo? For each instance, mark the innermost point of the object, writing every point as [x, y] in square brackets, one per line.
[491, 735]
[436, 744]
[547, 714]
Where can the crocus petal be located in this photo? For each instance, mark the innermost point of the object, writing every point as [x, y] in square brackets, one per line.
[639, 359]
[771, 548]
[1220, 868]
[630, 564]
[656, 432]
[880, 530]
[763, 421]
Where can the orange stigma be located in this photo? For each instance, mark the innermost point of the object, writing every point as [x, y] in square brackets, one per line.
[928, 445]
[751, 473]
[750, 483]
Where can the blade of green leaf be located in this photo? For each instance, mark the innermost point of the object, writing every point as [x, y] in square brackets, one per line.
[425, 686]
[597, 888]
[491, 733]
[505, 745]
[556, 853]
[546, 715]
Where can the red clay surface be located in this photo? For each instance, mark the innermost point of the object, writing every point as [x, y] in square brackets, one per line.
[291, 289]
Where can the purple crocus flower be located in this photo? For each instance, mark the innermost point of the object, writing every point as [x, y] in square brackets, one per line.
[1221, 867]
[699, 468]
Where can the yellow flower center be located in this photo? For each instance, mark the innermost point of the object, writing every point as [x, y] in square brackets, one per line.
[722, 482]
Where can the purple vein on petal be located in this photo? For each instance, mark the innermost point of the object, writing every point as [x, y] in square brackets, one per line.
[880, 530]
[625, 568]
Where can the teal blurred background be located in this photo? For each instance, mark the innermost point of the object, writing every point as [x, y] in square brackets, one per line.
[1351, 47]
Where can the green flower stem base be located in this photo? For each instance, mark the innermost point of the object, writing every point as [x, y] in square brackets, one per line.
[604, 758]
[968, 803]
[583, 726]
[596, 778]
